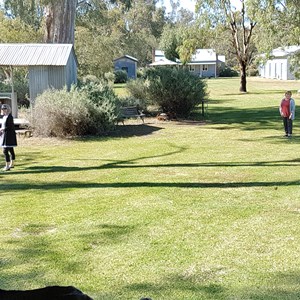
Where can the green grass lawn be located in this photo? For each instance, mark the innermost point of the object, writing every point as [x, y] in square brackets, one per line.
[175, 210]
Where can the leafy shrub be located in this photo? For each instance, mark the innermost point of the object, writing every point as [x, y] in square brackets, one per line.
[141, 73]
[90, 109]
[110, 77]
[21, 87]
[137, 88]
[61, 113]
[175, 90]
[104, 106]
[228, 72]
[120, 76]
[252, 71]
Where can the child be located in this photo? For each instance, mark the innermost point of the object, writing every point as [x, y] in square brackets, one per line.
[287, 112]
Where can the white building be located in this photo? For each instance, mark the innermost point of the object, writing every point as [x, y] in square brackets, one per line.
[204, 63]
[278, 65]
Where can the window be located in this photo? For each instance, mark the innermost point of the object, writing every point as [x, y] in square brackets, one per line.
[204, 67]
[192, 68]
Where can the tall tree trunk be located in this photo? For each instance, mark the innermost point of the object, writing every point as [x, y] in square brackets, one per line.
[60, 22]
[243, 86]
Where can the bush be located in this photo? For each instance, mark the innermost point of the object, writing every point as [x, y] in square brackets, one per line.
[228, 72]
[120, 76]
[61, 113]
[175, 91]
[252, 71]
[90, 109]
[138, 91]
[110, 77]
[104, 107]
[21, 87]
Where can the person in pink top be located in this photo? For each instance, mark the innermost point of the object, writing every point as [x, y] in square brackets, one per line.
[287, 112]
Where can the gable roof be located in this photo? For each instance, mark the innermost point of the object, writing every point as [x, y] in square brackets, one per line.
[285, 51]
[127, 56]
[35, 54]
[201, 56]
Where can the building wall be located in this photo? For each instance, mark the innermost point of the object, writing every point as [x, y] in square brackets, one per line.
[203, 70]
[38, 81]
[127, 65]
[278, 68]
[71, 72]
[42, 78]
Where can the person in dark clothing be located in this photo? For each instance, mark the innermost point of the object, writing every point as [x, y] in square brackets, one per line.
[8, 139]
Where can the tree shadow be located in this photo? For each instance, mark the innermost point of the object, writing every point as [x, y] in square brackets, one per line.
[133, 164]
[67, 185]
[35, 250]
[130, 130]
[282, 286]
[246, 119]
[107, 234]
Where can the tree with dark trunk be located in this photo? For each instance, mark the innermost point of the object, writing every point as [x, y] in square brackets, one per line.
[241, 42]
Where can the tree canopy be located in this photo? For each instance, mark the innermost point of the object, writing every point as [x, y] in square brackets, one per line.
[102, 30]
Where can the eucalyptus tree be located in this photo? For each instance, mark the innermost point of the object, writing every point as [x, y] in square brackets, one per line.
[181, 38]
[240, 24]
[279, 25]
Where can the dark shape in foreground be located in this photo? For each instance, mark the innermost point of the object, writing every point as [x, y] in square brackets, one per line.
[46, 293]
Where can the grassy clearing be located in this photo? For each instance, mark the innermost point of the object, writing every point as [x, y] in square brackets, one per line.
[120, 90]
[173, 210]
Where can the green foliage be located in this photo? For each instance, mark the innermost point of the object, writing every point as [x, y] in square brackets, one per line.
[61, 113]
[103, 110]
[110, 77]
[120, 76]
[175, 90]
[90, 109]
[137, 88]
[21, 84]
[16, 31]
[226, 71]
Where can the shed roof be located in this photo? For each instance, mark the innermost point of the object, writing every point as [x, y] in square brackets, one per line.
[35, 54]
[127, 56]
[201, 56]
[285, 51]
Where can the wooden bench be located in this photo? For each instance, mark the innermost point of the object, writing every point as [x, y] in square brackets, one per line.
[130, 112]
[24, 132]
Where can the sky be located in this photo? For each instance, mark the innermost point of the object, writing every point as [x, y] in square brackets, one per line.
[190, 4]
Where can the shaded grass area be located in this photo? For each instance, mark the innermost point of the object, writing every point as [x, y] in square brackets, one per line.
[167, 210]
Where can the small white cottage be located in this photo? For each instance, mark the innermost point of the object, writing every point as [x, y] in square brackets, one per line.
[204, 62]
[278, 65]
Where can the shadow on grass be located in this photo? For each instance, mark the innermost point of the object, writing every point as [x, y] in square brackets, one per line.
[107, 234]
[133, 164]
[246, 119]
[67, 185]
[33, 251]
[124, 131]
[177, 283]
[284, 286]
[261, 92]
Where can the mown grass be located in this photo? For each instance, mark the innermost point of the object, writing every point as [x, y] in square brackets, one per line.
[176, 210]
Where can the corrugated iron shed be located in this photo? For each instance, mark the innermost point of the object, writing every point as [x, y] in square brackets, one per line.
[35, 54]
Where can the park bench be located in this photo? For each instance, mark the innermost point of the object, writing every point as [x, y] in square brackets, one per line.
[129, 112]
[22, 127]
[24, 132]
